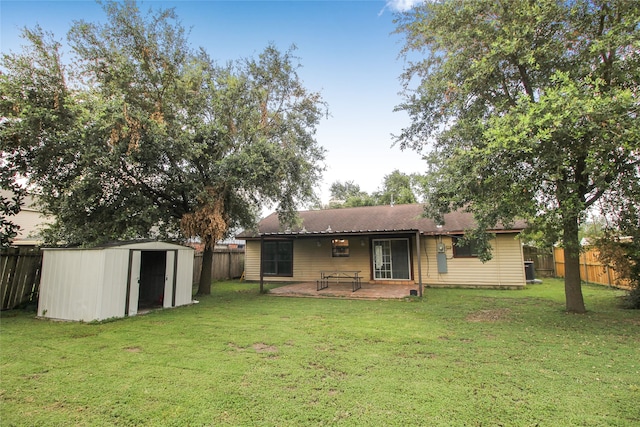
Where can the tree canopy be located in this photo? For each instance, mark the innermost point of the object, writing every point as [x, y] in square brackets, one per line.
[140, 135]
[397, 188]
[527, 109]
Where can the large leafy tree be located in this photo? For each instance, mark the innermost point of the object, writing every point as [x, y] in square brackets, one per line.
[139, 135]
[529, 109]
[349, 195]
[398, 188]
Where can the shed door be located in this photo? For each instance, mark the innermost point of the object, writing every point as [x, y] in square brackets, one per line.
[152, 280]
[133, 286]
[170, 282]
[153, 269]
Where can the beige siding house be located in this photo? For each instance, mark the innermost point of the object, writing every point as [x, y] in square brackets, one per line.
[385, 245]
[30, 220]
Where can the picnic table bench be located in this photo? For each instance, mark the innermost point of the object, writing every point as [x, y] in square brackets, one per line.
[327, 275]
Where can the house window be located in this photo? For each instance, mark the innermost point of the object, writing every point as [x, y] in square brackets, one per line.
[463, 249]
[339, 248]
[391, 259]
[277, 258]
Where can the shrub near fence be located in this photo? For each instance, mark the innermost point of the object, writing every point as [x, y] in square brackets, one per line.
[19, 276]
[227, 264]
[591, 269]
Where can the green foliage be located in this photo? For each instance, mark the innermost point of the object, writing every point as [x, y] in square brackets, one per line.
[10, 205]
[530, 110]
[593, 228]
[348, 194]
[632, 299]
[397, 188]
[342, 191]
[619, 247]
[458, 357]
[139, 131]
[363, 199]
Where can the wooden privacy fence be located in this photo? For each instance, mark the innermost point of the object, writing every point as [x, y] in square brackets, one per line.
[19, 276]
[591, 269]
[542, 260]
[227, 264]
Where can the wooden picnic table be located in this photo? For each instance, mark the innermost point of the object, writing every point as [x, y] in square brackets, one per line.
[327, 275]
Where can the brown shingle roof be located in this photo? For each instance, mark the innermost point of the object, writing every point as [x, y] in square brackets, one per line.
[371, 219]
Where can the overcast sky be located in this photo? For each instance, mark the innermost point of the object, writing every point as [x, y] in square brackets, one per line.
[347, 51]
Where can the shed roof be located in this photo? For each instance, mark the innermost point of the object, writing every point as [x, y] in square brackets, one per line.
[129, 244]
[372, 219]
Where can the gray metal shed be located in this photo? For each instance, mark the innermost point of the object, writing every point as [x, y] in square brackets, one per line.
[114, 281]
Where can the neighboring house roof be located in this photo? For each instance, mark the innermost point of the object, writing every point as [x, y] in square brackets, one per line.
[228, 242]
[373, 219]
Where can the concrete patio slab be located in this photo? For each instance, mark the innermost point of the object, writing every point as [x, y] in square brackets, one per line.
[344, 290]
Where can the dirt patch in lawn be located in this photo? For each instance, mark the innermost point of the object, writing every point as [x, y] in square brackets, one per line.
[634, 321]
[264, 348]
[494, 315]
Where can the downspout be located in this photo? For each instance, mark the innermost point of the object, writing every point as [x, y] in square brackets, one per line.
[261, 268]
[419, 264]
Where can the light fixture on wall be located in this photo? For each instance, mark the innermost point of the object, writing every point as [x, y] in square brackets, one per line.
[362, 242]
[318, 243]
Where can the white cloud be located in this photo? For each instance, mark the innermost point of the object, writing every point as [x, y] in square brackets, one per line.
[402, 5]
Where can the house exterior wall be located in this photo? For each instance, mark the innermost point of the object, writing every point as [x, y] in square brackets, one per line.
[29, 219]
[252, 260]
[30, 222]
[505, 270]
[309, 259]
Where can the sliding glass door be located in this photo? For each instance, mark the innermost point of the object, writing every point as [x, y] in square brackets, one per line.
[391, 259]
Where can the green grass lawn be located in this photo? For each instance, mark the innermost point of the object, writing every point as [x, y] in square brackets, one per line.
[459, 357]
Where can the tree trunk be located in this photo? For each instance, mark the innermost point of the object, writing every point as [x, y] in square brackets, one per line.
[204, 287]
[572, 282]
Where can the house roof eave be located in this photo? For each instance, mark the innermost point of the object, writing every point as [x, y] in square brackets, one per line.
[331, 233]
[455, 232]
[370, 220]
